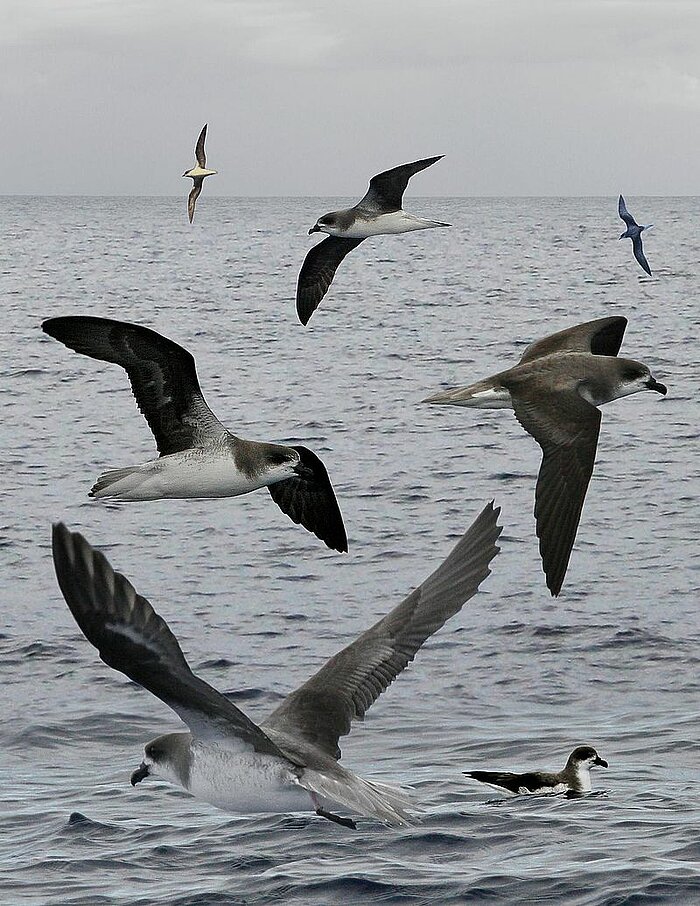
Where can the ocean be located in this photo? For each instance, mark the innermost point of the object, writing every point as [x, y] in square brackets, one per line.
[515, 681]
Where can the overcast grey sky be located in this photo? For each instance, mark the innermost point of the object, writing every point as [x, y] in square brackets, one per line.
[311, 97]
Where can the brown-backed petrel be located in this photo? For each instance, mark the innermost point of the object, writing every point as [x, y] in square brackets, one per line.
[555, 390]
[574, 778]
[634, 232]
[289, 762]
[378, 213]
[198, 456]
[198, 173]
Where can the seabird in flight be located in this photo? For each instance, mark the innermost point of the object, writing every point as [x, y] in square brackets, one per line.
[198, 173]
[634, 232]
[378, 213]
[555, 390]
[290, 761]
[198, 456]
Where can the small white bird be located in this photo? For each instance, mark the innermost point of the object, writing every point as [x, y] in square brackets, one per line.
[574, 778]
[198, 173]
[290, 761]
[378, 213]
[634, 232]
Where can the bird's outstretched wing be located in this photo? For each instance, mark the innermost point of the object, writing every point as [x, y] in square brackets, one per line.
[639, 254]
[132, 638]
[386, 189]
[162, 374]
[317, 273]
[199, 150]
[567, 428]
[309, 500]
[514, 783]
[322, 710]
[624, 213]
[600, 337]
[195, 191]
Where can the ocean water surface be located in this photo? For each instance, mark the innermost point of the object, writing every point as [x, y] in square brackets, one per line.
[514, 681]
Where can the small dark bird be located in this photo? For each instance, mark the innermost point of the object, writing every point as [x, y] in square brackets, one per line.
[634, 232]
[574, 778]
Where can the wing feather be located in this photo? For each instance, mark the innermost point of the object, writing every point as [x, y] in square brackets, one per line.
[199, 150]
[317, 273]
[567, 429]
[309, 500]
[638, 250]
[600, 337]
[385, 193]
[322, 710]
[624, 213]
[133, 639]
[195, 192]
[162, 374]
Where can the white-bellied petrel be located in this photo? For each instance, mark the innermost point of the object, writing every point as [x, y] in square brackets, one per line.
[575, 777]
[378, 213]
[198, 456]
[555, 390]
[634, 232]
[198, 173]
[288, 762]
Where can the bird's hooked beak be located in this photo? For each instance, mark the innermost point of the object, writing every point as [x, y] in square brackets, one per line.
[141, 772]
[315, 229]
[601, 761]
[655, 385]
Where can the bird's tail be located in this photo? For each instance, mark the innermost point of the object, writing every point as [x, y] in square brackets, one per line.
[116, 482]
[389, 804]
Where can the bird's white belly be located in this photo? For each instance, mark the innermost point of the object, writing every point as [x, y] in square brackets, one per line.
[199, 171]
[395, 222]
[183, 475]
[245, 782]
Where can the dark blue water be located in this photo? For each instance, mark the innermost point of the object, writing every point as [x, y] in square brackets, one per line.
[515, 681]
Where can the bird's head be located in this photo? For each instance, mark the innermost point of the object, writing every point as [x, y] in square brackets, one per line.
[166, 757]
[585, 757]
[634, 377]
[326, 224]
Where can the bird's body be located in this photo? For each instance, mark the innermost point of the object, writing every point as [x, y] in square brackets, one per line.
[288, 762]
[198, 173]
[199, 457]
[634, 232]
[378, 213]
[356, 226]
[555, 390]
[213, 471]
[575, 777]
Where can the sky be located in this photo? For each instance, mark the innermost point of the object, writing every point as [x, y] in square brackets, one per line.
[312, 97]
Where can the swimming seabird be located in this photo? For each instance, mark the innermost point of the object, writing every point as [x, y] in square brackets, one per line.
[289, 761]
[574, 778]
[634, 232]
[198, 456]
[378, 213]
[555, 390]
[198, 173]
